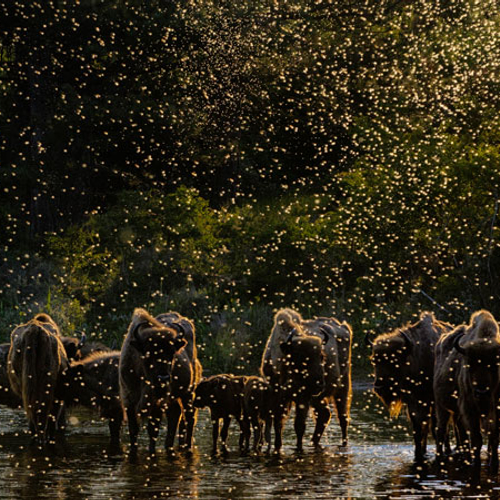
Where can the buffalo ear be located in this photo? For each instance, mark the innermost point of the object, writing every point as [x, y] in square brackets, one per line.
[324, 333]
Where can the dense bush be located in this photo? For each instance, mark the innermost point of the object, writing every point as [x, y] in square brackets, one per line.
[226, 159]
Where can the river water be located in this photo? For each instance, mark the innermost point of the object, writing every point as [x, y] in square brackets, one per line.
[378, 463]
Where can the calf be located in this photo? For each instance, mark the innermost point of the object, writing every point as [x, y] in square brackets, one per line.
[257, 410]
[93, 383]
[73, 346]
[7, 396]
[224, 395]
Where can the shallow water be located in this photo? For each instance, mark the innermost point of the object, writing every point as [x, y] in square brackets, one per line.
[378, 463]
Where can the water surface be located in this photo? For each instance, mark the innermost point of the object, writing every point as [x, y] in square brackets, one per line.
[378, 463]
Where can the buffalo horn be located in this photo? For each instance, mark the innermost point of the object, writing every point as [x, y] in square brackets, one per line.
[407, 340]
[136, 329]
[180, 330]
[368, 342]
[457, 345]
[324, 332]
[292, 333]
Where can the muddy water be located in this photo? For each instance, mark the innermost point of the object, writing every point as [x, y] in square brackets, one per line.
[377, 464]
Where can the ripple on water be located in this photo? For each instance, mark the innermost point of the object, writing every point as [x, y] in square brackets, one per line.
[378, 463]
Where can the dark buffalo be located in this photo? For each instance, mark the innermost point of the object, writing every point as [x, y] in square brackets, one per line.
[7, 396]
[91, 347]
[48, 323]
[294, 364]
[35, 362]
[93, 383]
[478, 346]
[257, 410]
[447, 365]
[153, 376]
[186, 373]
[337, 341]
[76, 348]
[224, 395]
[73, 346]
[404, 372]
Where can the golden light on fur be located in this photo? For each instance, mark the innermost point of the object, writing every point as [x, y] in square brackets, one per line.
[395, 408]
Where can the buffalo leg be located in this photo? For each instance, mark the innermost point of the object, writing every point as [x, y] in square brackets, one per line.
[182, 431]
[301, 411]
[493, 449]
[115, 425]
[257, 432]
[476, 441]
[41, 422]
[463, 441]
[225, 430]
[281, 411]
[244, 433]
[420, 427]
[154, 423]
[173, 417]
[323, 415]
[343, 407]
[425, 434]
[133, 428]
[278, 430]
[52, 420]
[61, 419]
[215, 434]
[442, 420]
[189, 421]
[267, 429]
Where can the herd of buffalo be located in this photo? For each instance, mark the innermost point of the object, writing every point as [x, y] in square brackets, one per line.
[448, 378]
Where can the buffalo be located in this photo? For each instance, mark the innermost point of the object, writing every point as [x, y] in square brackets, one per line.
[257, 410]
[404, 370]
[76, 348]
[93, 383]
[337, 342]
[72, 345]
[294, 365]
[475, 358]
[7, 396]
[224, 395]
[35, 363]
[156, 375]
[447, 364]
[186, 373]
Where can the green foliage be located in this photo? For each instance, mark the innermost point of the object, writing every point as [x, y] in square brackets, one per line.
[225, 159]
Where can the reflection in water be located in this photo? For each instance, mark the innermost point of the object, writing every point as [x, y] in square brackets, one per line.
[377, 464]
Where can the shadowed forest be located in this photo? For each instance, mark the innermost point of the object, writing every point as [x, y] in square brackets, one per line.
[226, 159]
